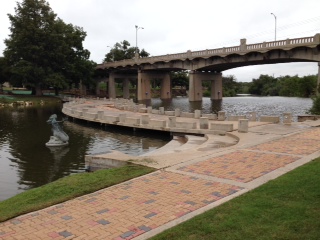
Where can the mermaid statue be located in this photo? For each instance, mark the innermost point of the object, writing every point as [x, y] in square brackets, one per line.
[59, 138]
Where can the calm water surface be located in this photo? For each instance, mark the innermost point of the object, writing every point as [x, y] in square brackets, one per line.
[271, 106]
[25, 161]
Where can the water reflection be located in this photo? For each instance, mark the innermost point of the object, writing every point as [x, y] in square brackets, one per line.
[25, 161]
[216, 105]
[115, 138]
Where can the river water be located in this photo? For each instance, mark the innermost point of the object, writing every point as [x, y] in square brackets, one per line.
[25, 161]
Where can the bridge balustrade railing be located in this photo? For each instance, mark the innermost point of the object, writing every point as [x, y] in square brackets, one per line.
[210, 52]
[301, 40]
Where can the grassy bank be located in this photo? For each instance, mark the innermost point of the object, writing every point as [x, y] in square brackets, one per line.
[67, 188]
[36, 100]
[285, 208]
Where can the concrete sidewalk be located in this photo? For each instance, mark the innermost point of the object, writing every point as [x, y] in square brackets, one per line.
[145, 206]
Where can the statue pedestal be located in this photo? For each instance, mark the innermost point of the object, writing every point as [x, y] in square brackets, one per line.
[56, 142]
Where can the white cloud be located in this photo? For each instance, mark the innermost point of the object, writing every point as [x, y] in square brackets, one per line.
[177, 26]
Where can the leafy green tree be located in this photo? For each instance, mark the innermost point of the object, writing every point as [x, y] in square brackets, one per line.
[308, 85]
[315, 109]
[4, 70]
[265, 85]
[180, 79]
[230, 86]
[122, 50]
[43, 51]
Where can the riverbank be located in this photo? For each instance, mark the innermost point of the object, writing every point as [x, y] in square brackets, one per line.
[67, 188]
[27, 100]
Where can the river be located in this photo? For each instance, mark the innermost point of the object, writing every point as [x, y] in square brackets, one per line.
[25, 161]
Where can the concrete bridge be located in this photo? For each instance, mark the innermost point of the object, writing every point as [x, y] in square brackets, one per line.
[206, 65]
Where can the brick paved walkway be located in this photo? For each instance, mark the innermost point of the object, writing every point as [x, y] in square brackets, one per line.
[130, 209]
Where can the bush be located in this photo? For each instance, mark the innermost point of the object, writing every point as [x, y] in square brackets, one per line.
[206, 93]
[315, 109]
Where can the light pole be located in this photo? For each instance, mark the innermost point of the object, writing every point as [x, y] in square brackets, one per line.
[275, 26]
[137, 28]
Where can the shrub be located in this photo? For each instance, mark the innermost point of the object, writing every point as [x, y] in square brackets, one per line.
[315, 109]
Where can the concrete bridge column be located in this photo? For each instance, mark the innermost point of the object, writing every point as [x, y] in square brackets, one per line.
[111, 86]
[143, 85]
[195, 86]
[165, 89]
[126, 93]
[318, 82]
[216, 86]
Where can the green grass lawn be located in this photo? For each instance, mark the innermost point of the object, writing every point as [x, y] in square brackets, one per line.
[285, 208]
[67, 188]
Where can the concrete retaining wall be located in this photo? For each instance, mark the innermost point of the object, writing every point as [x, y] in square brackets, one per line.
[187, 115]
[111, 119]
[236, 118]
[169, 113]
[221, 127]
[187, 125]
[90, 115]
[155, 111]
[132, 121]
[78, 113]
[210, 116]
[157, 123]
[272, 119]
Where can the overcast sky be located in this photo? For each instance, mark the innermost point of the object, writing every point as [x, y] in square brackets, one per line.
[174, 26]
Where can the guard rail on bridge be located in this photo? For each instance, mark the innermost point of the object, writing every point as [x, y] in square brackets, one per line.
[241, 50]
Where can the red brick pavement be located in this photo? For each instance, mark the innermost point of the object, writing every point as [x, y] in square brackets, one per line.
[241, 166]
[122, 211]
[130, 209]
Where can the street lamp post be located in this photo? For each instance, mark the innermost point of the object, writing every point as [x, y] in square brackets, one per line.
[137, 28]
[275, 26]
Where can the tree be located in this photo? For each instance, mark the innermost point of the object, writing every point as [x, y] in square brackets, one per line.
[265, 85]
[42, 50]
[315, 109]
[4, 71]
[180, 78]
[122, 50]
[230, 86]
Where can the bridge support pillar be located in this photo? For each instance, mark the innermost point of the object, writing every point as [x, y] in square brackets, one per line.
[143, 84]
[318, 82]
[216, 86]
[126, 93]
[165, 89]
[112, 86]
[195, 86]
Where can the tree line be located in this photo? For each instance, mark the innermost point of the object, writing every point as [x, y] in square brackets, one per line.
[288, 86]
[42, 51]
[265, 85]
